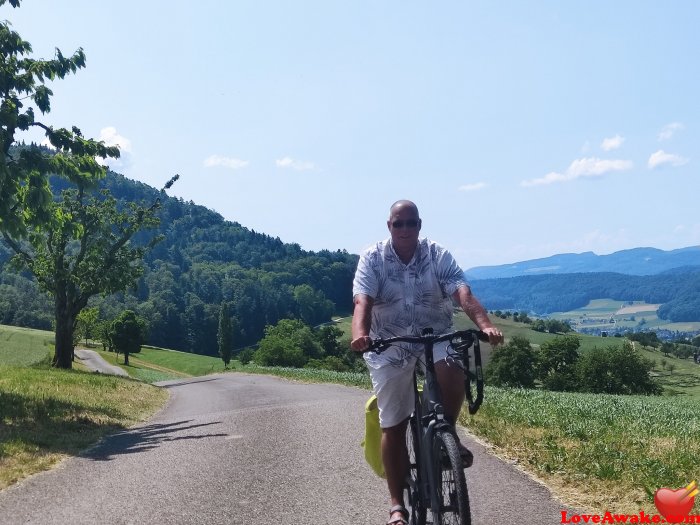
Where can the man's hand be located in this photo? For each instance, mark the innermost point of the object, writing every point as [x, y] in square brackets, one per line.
[495, 335]
[361, 343]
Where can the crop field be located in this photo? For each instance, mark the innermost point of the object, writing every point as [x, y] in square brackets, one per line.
[603, 451]
[632, 315]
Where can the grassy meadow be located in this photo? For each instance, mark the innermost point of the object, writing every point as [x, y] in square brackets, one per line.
[24, 346]
[47, 415]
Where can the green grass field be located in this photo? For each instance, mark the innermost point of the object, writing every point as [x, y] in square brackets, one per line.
[24, 346]
[48, 414]
[153, 364]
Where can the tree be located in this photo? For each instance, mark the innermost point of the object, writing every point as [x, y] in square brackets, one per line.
[128, 333]
[103, 332]
[667, 348]
[539, 325]
[556, 362]
[645, 338]
[328, 336]
[224, 336]
[312, 304]
[78, 246]
[86, 323]
[289, 343]
[615, 370]
[84, 250]
[512, 365]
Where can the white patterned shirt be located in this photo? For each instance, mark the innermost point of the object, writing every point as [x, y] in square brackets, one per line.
[407, 297]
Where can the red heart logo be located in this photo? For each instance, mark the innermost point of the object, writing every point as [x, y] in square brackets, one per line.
[674, 505]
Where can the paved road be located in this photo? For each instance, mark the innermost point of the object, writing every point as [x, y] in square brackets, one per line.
[242, 449]
[96, 363]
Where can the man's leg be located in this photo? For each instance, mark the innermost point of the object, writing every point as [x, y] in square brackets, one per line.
[395, 459]
[394, 389]
[451, 380]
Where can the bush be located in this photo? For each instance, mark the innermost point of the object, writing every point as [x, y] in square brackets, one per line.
[330, 362]
[512, 365]
[246, 356]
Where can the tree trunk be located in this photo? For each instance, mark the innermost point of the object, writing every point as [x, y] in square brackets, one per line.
[126, 358]
[63, 355]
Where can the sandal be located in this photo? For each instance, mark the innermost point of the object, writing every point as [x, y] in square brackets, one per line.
[399, 520]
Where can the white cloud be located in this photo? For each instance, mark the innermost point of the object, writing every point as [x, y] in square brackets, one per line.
[670, 129]
[661, 158]
[612, 143]
[297, 165]
[227, 162]
[110, 137]
[472, 187]
[586, 167]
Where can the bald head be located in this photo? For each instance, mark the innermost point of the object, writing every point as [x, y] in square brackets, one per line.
[403, 205]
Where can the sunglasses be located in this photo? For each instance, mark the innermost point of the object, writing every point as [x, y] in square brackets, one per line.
[410, 223]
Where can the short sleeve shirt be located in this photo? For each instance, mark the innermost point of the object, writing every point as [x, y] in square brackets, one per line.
[407, 297]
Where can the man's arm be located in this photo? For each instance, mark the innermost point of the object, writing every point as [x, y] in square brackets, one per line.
[472, 307]
[361, 322]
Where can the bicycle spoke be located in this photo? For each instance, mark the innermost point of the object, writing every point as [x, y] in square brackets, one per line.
[415, 506]
[452, 487]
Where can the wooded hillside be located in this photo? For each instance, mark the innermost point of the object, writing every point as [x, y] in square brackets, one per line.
[202, 261]
[678, 291]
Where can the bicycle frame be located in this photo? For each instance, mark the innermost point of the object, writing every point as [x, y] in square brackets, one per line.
[429, 416]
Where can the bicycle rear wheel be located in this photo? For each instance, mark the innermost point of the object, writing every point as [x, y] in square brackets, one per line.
[452, 484]
[416, 507]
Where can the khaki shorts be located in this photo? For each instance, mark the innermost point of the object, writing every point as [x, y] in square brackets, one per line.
[393, 386]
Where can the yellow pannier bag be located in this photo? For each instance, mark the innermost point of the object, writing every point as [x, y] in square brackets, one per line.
[373, 438]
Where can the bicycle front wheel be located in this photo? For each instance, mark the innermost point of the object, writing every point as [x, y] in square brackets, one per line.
[414, 485]
[452, 484]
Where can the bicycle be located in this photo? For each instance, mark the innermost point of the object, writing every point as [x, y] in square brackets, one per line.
[436, 479]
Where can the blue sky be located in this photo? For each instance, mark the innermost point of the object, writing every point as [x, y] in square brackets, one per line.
[521, 129]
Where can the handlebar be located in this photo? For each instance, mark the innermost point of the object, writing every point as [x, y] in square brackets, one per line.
[379, 345]
[462, 340]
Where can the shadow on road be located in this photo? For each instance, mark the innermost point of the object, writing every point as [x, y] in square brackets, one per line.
[145, 438]
[179, 382]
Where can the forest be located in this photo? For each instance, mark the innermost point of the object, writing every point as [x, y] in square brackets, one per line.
[678, 291]
[201, 261]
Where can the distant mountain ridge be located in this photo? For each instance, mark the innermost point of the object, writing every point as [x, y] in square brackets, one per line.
[635, 261]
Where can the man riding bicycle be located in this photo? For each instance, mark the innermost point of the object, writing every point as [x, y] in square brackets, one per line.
[403, 285]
